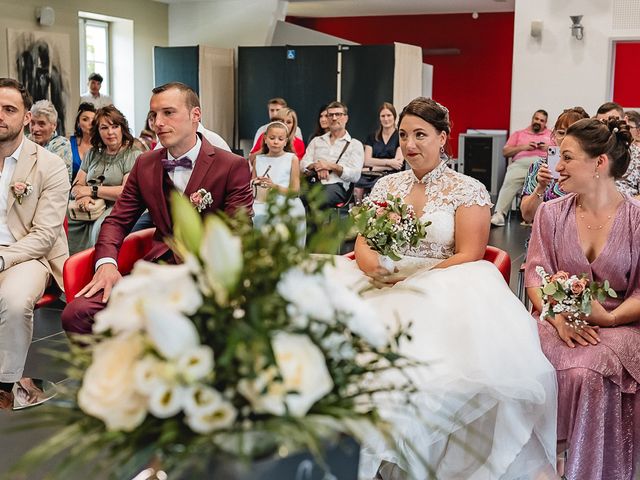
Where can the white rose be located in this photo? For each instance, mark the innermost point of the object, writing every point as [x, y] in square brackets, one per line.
[305, 378]
[108, 389]
[166, 400]
[172, 333]
[221, 252]
[307, 293]
[196, 363]
[303, 369]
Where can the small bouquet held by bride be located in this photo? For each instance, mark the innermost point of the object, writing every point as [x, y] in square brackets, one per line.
[571, 296]
[388, 226]
[249, 349]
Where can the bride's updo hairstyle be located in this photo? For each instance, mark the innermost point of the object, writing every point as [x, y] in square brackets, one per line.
[431, 112]
[610, 137]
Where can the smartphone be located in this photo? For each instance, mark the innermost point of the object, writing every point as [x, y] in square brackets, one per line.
[553, 157]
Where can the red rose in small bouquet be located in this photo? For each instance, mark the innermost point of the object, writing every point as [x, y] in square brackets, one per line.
[389, 225]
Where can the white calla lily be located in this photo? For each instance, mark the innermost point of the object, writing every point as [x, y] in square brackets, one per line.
[201, 399]
[195, 363]
[221, 252]
[150, 373]
[166, 400]
[219, 418]
[171, 332]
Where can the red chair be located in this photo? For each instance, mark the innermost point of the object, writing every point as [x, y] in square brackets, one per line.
[79, 268]
[498, 257]
[52, 293]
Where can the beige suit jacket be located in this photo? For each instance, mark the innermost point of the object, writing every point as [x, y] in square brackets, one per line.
[37, 222]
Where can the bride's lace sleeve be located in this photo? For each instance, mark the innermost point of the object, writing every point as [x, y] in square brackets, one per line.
[472, 192]
[385, 185]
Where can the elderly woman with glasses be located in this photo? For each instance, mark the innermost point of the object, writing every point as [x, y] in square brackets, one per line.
[540, 184]
[42, 130]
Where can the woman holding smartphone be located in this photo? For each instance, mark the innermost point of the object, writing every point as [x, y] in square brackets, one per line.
[541, 185]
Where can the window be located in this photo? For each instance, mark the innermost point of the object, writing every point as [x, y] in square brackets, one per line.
[94, 52]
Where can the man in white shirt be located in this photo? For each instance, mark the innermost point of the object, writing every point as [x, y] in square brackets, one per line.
[93, 95]
[34, 190]
[335, 158]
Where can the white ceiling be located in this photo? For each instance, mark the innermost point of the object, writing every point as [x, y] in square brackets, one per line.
[357, 8]
[352, 8]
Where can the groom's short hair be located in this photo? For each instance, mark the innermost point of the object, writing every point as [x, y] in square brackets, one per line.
[27, 101]
[190, 96]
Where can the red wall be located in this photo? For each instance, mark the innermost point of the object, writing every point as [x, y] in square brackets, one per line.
[625, 76]
[475, 85]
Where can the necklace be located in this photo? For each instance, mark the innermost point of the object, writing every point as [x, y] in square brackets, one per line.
[590, 227]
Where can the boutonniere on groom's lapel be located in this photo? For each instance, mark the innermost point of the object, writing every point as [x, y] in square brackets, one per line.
[201, 199]
[21, 190]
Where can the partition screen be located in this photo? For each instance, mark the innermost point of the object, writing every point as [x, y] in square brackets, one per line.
[305, 76]
[366, 82]
[177, 64]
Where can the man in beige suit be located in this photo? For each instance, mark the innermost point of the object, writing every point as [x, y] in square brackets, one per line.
[34, 190]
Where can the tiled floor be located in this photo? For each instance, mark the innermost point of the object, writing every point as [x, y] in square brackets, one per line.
[48, 335]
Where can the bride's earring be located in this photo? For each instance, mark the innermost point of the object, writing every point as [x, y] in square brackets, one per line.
[441, 148]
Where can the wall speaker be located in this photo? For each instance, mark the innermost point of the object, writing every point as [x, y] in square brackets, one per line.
[536, 29]
[46, 16]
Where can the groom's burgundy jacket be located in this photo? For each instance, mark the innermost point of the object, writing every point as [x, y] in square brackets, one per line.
[225, 175]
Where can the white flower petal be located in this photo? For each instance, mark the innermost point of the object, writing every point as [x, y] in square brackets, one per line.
[166, 400]
[221, 252]
[196, 363]
[171, 332]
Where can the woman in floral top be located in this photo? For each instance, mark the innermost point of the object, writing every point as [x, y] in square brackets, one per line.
[540, 186]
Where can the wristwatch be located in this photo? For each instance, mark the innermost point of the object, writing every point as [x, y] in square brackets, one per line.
[94, 191]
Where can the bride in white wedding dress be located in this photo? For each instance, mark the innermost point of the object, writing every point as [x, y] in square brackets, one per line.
[486, 408]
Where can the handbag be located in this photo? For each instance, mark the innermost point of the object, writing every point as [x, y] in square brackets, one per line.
[86, 214]
[312, 176]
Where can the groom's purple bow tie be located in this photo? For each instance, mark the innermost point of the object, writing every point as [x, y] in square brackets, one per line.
[171, 165]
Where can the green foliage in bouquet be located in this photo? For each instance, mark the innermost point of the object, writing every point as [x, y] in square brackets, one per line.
[571, 295]
[249, 347]
[388, 226]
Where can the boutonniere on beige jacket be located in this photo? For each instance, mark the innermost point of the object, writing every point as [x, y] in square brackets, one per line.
[21, 190]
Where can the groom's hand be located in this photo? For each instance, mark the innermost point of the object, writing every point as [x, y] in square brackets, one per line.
[104, 279]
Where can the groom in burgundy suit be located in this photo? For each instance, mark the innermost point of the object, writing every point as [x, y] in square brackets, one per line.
[187, 163]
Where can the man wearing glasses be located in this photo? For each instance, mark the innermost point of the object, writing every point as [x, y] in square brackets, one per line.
[334, 159]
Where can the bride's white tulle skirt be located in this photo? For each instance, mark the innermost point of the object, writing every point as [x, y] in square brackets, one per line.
[487, 402]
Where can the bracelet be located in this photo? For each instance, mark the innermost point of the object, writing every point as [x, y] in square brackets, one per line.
[615, 320]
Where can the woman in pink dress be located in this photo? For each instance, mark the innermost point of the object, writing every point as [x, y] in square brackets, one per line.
[594, 229]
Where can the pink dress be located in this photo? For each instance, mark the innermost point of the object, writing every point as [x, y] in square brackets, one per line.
[598, 409]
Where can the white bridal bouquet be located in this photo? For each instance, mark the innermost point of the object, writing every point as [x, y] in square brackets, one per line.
[248, 347]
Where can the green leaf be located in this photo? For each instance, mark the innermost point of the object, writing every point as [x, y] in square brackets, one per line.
[187, 224]
[612, 293]
[549, 289]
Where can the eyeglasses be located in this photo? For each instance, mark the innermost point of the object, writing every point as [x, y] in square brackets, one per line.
[335, 114]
